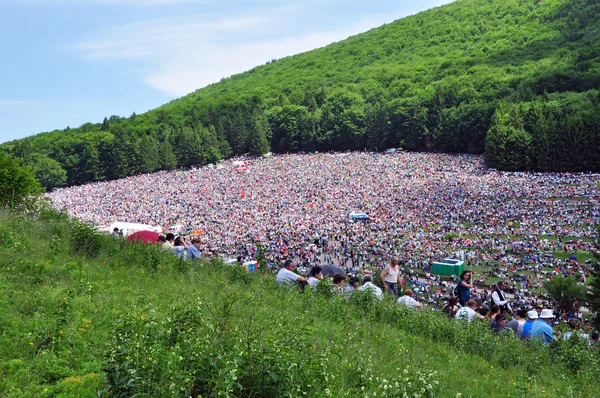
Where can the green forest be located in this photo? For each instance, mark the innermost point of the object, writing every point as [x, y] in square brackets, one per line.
[515, 80]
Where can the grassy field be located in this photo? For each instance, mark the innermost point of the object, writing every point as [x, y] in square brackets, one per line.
[89, 316]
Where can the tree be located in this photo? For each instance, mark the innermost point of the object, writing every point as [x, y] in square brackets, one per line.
[566, 293]
[49, 172]
[17, 182]
[257, 137]
[22, 150]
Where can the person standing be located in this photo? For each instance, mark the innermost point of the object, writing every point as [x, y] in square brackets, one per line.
[499, 298]
[464, 287]
[391, 277]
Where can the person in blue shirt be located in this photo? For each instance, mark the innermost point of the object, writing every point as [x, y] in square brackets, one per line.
[194, 250]
[542, 329]
[464, 287]
[532, 318]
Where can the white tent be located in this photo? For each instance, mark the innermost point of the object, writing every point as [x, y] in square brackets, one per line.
[127, 228]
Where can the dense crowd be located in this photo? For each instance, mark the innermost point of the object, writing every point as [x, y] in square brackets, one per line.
[422, 208]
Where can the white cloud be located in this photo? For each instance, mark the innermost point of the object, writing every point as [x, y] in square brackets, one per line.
[159, 40]
[193, 71]
[189, 54]
[180, 55]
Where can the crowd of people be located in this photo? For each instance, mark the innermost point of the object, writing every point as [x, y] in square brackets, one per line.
[421, 208]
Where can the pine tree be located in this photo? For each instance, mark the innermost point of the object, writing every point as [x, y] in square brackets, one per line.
[257, 137]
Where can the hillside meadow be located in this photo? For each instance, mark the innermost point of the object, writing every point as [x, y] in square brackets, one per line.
[90, 315]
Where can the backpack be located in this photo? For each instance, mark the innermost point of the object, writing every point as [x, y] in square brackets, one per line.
[456, 291]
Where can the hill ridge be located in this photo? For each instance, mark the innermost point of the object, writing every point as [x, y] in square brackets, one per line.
[516, 80]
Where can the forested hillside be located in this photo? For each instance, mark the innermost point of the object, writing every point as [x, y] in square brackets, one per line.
[518, 80]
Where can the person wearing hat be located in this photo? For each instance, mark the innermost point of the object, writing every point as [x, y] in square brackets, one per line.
[542, 329]
[532, 317]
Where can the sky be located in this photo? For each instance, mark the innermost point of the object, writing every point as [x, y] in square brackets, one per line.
[68, 62]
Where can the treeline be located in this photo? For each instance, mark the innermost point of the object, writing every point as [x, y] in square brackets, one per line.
[517, 80]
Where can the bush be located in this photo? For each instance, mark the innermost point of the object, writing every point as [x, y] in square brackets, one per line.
[85, 240]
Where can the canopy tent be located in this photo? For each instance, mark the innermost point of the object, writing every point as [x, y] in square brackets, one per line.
[144, 236]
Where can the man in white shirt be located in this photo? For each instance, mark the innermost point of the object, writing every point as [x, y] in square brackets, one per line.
[408, 300]
[500, 299]
[468, 312]
[287, 274]
[368, 285]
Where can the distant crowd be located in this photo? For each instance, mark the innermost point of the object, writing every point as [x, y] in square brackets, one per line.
[524, 228]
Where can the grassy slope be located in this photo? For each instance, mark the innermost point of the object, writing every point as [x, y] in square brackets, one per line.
[135, 320]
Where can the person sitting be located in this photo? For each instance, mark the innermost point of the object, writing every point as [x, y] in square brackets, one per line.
[353, 284]
[491, 316]
[316, 273]
[408, 300]
[287, 274]
[180, 247]
[338, 284]
[451, 307]
[516, 324]
[169, 239]
[468, 312]
[499, 324]
[368, 285]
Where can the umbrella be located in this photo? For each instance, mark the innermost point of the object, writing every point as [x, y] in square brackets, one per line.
[331, 270]
[144, 236]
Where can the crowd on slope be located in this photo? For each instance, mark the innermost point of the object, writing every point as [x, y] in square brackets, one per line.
[466, 305]
[526, 228]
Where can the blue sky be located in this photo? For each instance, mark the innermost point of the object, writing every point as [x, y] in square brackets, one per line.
[67, 62]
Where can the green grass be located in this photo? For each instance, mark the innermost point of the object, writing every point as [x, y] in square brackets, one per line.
[95, 316]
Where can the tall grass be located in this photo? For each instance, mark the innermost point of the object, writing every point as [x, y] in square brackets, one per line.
[89, 315]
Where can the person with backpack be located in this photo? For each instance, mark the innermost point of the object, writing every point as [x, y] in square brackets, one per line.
[463, 289]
